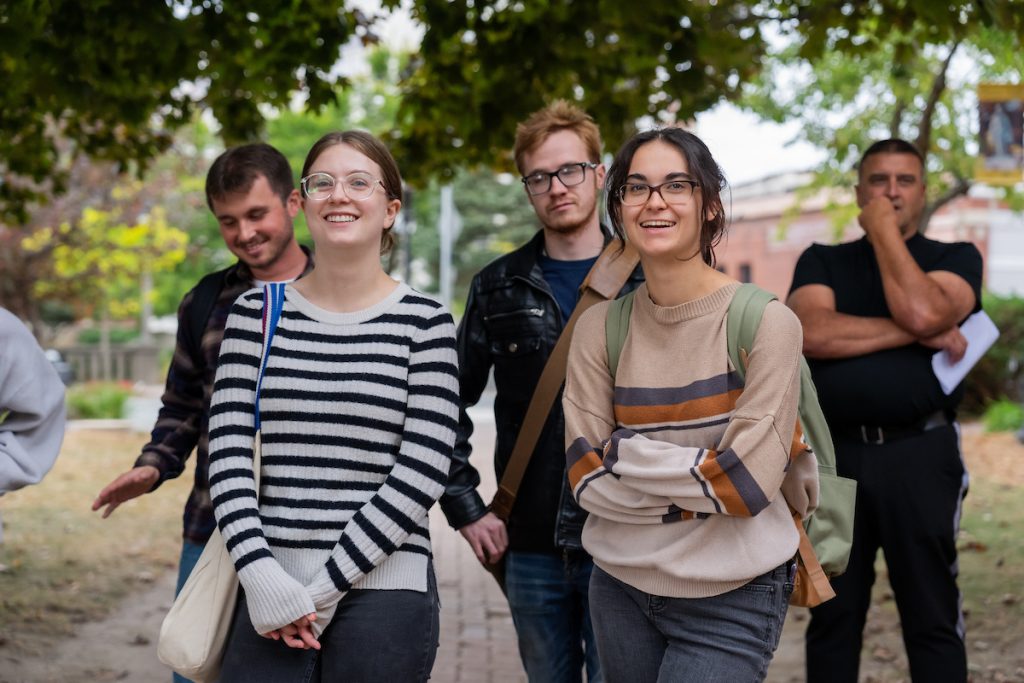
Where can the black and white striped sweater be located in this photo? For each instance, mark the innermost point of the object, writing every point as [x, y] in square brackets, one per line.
[358, 414]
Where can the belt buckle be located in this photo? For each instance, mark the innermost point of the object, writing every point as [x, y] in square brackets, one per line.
[878, 441]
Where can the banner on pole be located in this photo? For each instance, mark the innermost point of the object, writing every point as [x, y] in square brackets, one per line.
[1001, 134]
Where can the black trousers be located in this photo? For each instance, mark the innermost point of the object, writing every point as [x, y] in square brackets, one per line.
[909, 495]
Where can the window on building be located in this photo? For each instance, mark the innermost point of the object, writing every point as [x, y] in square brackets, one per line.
[745, 272]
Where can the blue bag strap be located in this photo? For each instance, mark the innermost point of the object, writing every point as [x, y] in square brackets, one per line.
[273, 302]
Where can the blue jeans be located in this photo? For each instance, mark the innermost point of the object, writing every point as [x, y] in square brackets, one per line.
[644, 638]
[190, 553]
[376, 636]
[547, 595]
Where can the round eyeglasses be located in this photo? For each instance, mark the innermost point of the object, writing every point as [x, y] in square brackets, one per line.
[356, 186]
[539, 182]
[671, 192]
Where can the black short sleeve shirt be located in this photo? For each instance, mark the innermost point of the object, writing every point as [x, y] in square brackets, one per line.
[894, 386]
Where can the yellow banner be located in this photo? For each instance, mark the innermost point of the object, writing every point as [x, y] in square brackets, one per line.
[1001, 134]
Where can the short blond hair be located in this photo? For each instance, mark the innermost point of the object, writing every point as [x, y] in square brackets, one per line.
[559, 115]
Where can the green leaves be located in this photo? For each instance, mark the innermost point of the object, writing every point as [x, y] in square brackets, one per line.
[486, 65]
[853, 73]
[116, 82]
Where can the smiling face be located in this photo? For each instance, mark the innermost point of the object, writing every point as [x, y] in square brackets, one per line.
[256, 225]
[339, 221]
[565, 210]
[660, 229]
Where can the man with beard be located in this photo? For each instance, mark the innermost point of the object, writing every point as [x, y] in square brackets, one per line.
[874, 312]
[251, 192]
[517, 308]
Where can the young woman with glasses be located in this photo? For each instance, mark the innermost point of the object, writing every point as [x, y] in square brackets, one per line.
[358, 409]
[692, 540]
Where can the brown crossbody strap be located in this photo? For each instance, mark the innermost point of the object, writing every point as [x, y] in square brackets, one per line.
[603, 282]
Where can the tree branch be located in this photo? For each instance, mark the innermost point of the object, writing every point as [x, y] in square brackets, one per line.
[897, 119]
[924, 135]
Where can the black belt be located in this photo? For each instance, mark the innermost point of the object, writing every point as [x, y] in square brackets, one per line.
[878, 434]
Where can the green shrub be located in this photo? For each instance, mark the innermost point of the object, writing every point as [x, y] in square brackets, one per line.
[1003, 416]
[97, 400]
[117, 336]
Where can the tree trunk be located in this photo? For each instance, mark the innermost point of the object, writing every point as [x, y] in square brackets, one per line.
[105, 355]
[924, 129]
[146, 314]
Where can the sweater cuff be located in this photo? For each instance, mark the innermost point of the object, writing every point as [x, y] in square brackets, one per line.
[462, 509]
[324, 592]
[323, 619]
[166, 469]
[274, 598]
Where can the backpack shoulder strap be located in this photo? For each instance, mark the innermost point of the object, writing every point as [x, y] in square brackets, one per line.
[616, 327]
[273, 303]
[204, 298]
[745, 312]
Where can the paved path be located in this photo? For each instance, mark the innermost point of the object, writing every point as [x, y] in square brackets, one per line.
[478, 641]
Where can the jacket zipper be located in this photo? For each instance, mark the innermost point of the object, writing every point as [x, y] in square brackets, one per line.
[535, 312]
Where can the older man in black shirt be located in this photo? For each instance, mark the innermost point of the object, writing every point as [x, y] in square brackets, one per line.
[874, 312]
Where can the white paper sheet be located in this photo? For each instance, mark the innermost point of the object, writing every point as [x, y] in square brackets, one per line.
[981, 333]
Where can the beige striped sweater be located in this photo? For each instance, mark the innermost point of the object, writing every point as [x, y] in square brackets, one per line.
[679, 465]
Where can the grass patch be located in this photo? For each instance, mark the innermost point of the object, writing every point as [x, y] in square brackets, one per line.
[63, 564]
[97, 400]
[1003, 416]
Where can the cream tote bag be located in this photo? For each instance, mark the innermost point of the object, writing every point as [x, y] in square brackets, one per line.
[195, 632]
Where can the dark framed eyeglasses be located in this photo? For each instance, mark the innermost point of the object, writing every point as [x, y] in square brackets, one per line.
[672, 192]
[356, 186]
[539, 182]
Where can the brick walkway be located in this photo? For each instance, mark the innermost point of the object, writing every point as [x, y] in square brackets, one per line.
[478, 642]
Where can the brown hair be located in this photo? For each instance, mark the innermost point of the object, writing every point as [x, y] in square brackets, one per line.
[702, 167]
[378, 153]
[892, 146]
[237, 168]
[559, 115]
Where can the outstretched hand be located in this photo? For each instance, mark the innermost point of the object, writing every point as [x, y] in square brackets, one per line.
[131, 484]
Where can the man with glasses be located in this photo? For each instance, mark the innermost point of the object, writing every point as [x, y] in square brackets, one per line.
[517, 308]
[251, 192]
[874, 312]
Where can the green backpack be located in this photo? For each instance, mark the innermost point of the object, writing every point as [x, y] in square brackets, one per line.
[830, 527]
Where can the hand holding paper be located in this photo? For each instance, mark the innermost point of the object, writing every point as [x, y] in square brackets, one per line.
[981, 333]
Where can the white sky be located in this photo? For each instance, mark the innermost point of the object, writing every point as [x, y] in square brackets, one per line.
[748, 149]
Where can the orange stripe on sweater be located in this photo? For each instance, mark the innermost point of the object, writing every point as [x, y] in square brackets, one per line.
[722, 487]
[798, 446]
[584, 466]
[708, 406]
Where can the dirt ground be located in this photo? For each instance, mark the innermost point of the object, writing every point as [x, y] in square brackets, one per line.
[122, 647]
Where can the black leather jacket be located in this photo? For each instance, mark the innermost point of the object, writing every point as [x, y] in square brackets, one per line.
[511, 323]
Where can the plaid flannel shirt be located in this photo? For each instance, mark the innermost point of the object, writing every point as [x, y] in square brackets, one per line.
[183, 423]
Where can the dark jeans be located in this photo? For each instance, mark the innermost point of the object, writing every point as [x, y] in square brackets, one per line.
[644, 638]
[909, 493]
[375, 636]
[547, 595]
